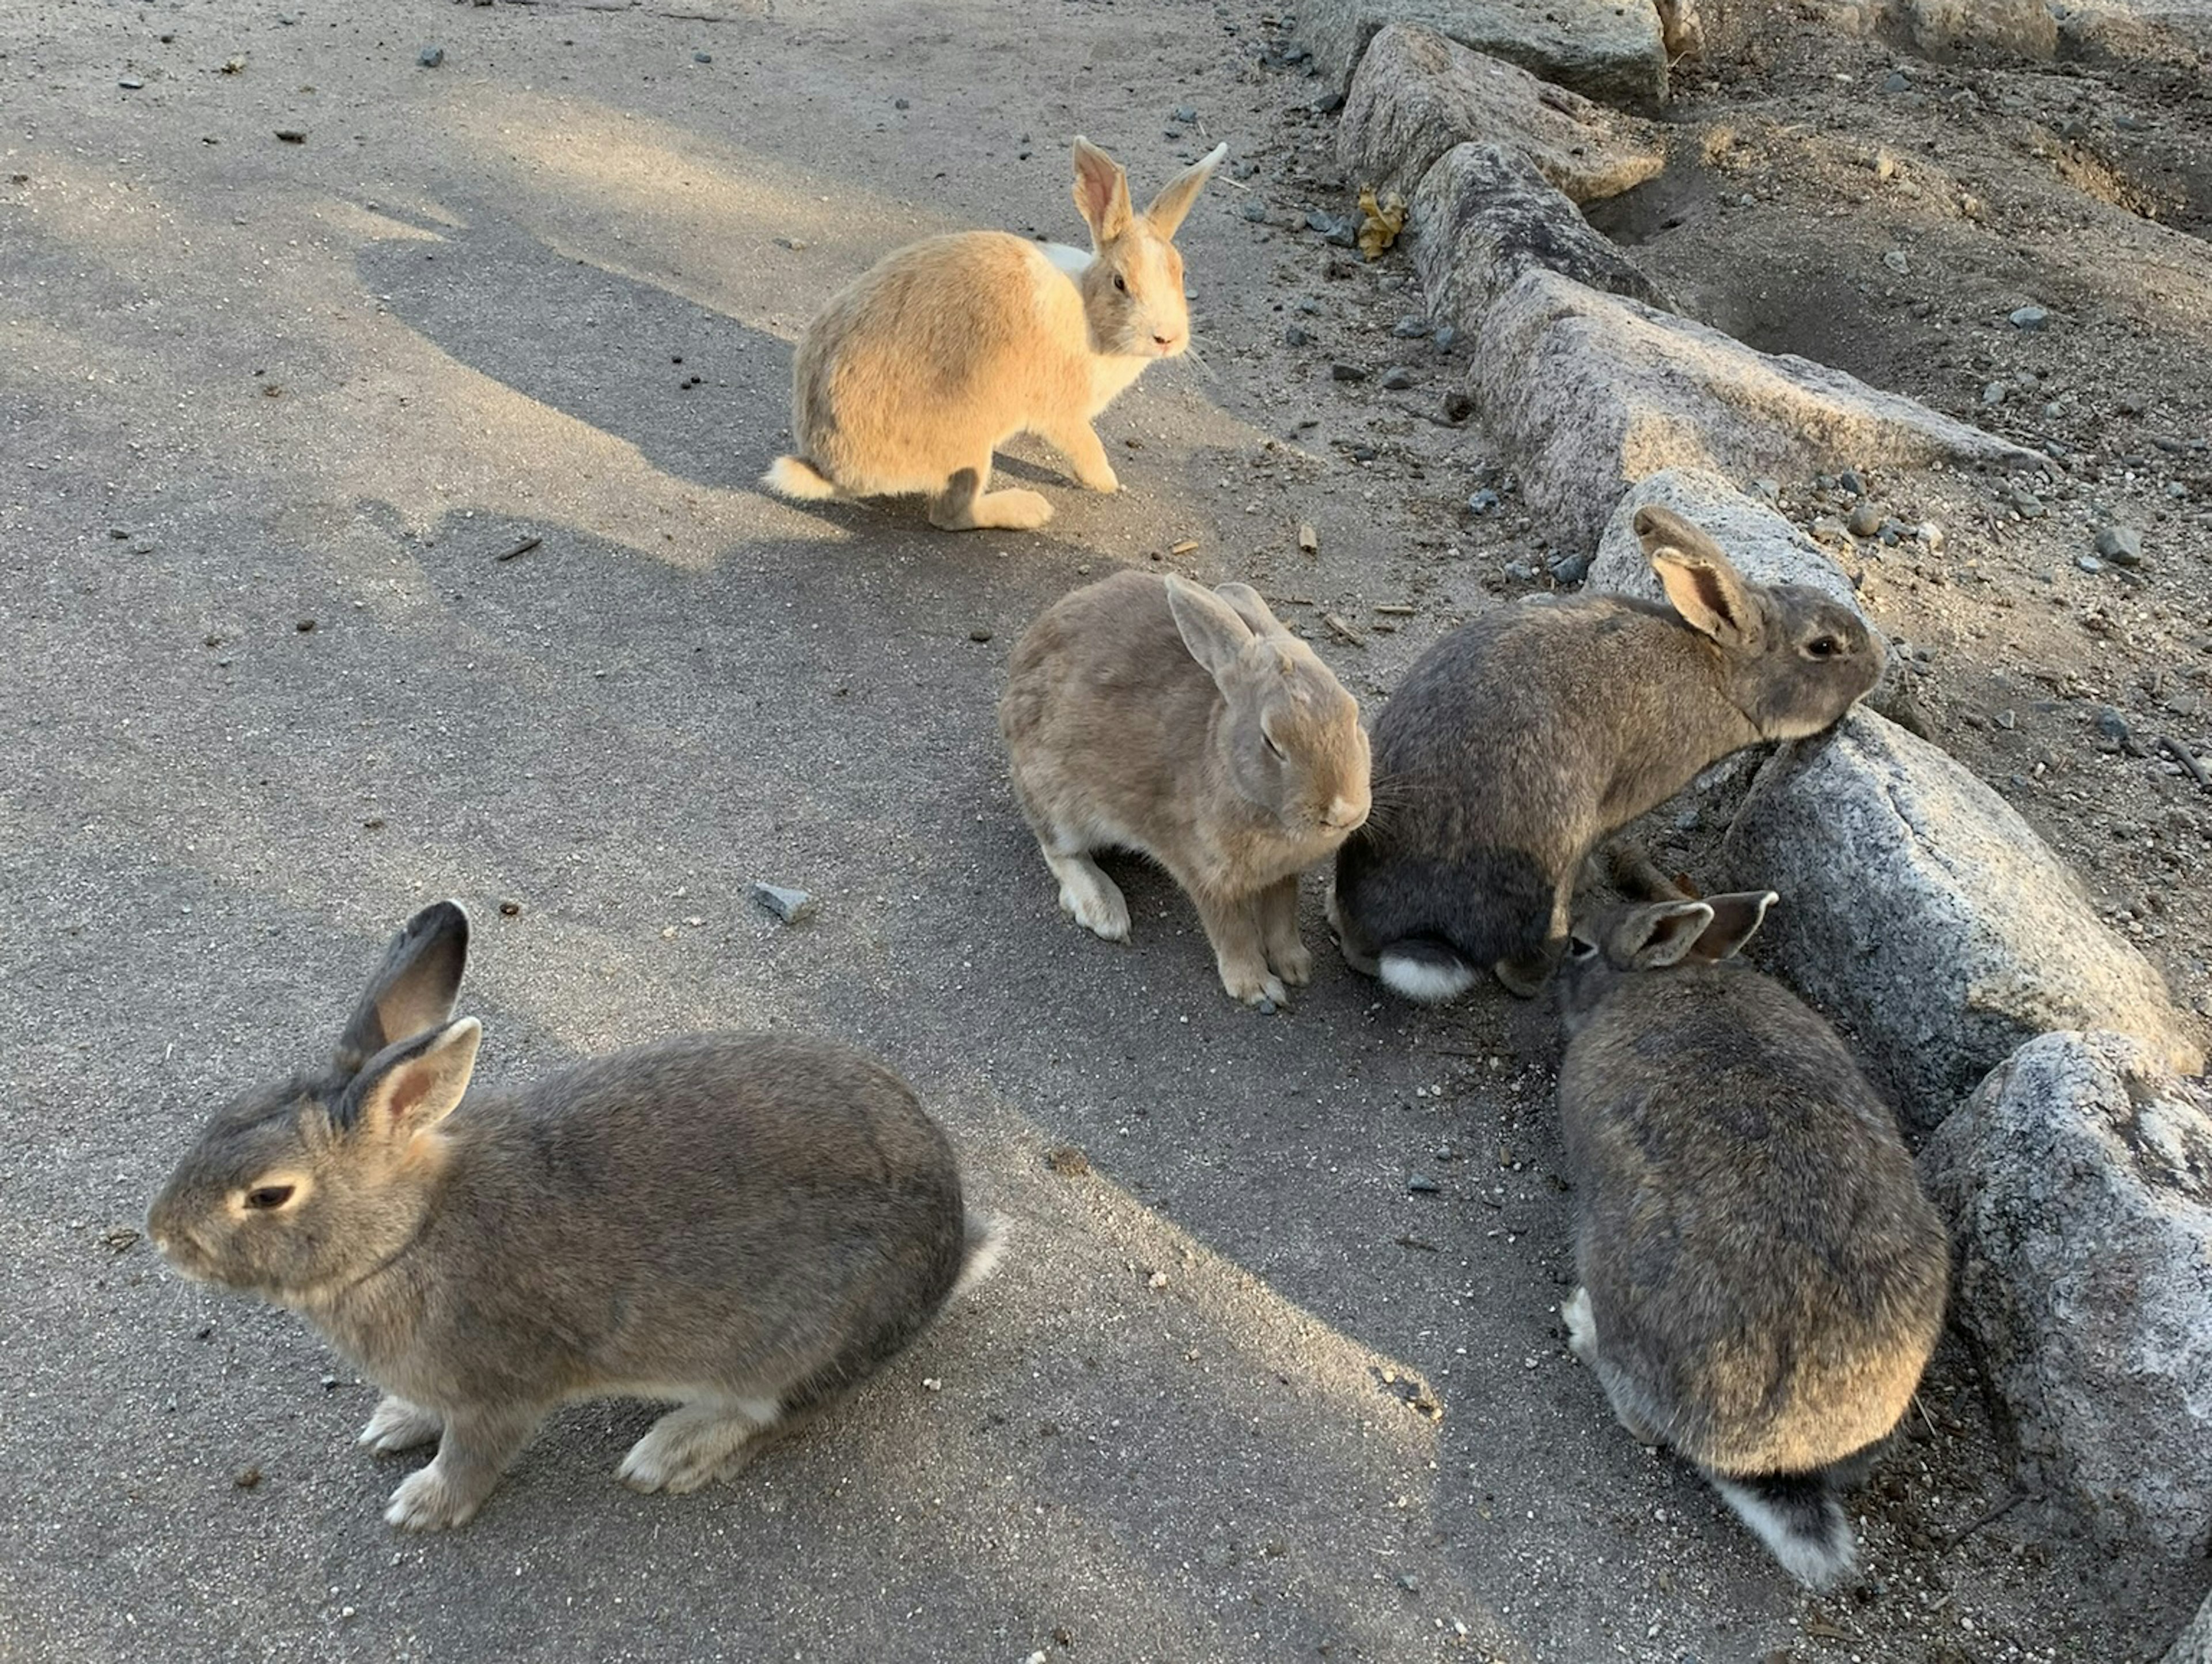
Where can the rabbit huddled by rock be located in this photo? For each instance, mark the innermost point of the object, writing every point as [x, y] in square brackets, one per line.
[745, 1224]
[1150, 714]
[1519, 741]
[1762, 1278]
[919, 370]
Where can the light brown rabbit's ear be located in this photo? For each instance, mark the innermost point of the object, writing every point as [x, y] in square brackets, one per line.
[1246, 602]
[414, 989]
[1653, 938]
[410, 1088]
[1167, 211]
[1211, 627]
[1736, 919]
[1705, 590]
[1101, 192]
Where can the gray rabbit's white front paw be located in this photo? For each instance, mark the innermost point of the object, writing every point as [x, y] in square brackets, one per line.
[399, 1425]
[695, 1445]
[428, 1500]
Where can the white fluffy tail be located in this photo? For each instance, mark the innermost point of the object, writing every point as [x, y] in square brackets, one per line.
[1799, 1519]
[1424, 971]
[987, 1241]
[795, 477]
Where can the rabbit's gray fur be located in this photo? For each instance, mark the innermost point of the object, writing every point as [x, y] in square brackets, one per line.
[746, 1224]
[1762, 1278]
[1519, 741]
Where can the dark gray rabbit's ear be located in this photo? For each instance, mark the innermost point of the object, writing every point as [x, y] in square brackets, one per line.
[1212, 629]
[1736, 919]
[409, 1088]
[415, 989]
[1653, 938]
[1700, 581]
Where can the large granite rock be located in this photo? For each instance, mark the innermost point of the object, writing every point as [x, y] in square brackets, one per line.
[1483, 215]
[1764, 547]
[1418, 93]
[1608, 50]
[1588, 392]
[2078, 1180]
[2194, 1644]
[1919, 905]
[2023, 28]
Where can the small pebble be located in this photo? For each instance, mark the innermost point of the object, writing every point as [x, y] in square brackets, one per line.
[1849, 480]
[1266, 1007]
[1770, 490]
[306, 627]
[2029, 317]
[430, 57]
[247, 1477]
[791, 906]
[1896, 262]
[1183, 112]
[1309, 306]
[2112, 725]
[131, 83]
[898, 104]
[1347, 373]
[1296, 337]
[2121, 545]
[1994, 393]
[1930, 533]
[703, 58]
[1422, 1184]
[2025, 504]
[1397, 378]
[1483, 501]
[979, 634]
[291, 136]
[2007, 720]
[2089, 562]
[1897, 81]
[510, 909]
[1865, 520]
[1570, 569]
[1410, 329]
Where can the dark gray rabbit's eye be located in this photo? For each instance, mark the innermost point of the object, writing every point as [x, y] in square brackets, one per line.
[263, 1198]
[1577, 948]
[1269, 741]
[1824, 647]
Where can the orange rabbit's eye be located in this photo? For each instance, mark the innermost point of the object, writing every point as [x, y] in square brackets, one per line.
[1120, 282]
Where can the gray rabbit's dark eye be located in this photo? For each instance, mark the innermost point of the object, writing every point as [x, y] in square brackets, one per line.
[1577, 948]
[264, 1197]
[1268, 740]
[1824, 647]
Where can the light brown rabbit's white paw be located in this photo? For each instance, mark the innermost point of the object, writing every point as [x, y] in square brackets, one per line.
[1104, 479]
[1100, 909]
[1013, 510]
[398, 1425]
[428, 1500]
[695, 1445]
[1255, 985]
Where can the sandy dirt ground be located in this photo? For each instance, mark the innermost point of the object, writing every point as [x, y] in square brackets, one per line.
[1273, 1369]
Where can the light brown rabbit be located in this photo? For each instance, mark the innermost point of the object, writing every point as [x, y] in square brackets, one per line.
[1519, 741]
[922, 368]
[746, 1223]
[1149, 713]
[1762, 1278]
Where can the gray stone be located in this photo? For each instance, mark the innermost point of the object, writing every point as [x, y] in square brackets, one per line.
[1763, 545]
[1397, 378]
[1865, 520]
[1347, 373]
[2089, 562]
[2121, 545]
[2078, 1180]
[2027, 317]
[1939, 27]
[431, 56]
[1483, 215]
[1604, 49]
[2194, 1644]
[1918, 905]
[791, 906]
[1418, 93]
[1587, 391]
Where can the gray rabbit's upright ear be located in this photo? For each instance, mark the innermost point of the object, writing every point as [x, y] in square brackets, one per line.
[1167, 211]
[415, 989]
[1210, 629]
[411, 1087]
[1700, 581]
[1736, 919]
[1245, 601]
[1101, 192]
[1653, 938]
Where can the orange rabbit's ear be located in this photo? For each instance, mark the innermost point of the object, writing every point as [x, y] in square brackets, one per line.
[1168, 210]
[1101, 192]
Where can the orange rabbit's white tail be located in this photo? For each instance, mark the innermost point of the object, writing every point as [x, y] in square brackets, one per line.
[795, 477]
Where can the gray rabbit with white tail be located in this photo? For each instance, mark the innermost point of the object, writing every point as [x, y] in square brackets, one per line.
[1762, 1278]
[744, 1224]
[1519, 741]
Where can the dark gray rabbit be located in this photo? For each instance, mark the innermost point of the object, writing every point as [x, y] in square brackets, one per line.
[1521, 740]
[1762, 1278]
[745, 1224]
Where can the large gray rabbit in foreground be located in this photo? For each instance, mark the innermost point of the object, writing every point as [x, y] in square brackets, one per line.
[1146, 713]
[1762, 1278]
[1519, 741]
[746, 1224]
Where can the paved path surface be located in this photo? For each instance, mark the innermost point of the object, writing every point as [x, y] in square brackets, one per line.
[247, 386]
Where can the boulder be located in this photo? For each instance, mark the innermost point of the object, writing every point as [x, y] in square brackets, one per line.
[1919, 906]
[2020, 28]
[1605, 48]
[1764, 547]
[1485, 215]
[2078, 1180]
[1589, 390]
[1417, 93]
